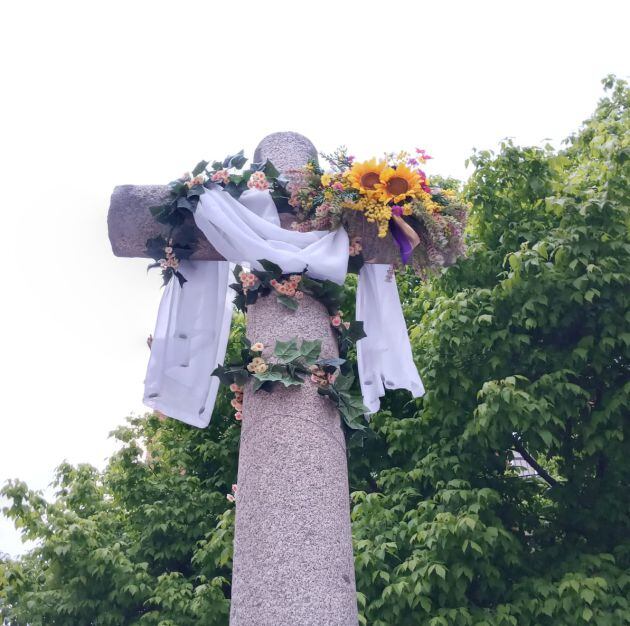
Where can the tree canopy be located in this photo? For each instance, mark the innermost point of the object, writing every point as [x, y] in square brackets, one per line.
[523, 347]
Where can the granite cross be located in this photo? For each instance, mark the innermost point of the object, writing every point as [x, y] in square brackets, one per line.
[293, 562]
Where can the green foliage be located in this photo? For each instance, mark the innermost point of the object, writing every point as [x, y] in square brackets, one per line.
[524, 346]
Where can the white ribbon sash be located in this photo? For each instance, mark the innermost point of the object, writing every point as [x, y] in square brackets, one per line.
[193, 321]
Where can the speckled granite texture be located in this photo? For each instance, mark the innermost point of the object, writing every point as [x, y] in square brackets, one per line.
[130, 222]
[293, 563]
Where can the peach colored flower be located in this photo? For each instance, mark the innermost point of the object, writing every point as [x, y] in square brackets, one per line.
[261, 368]
[258, 347]
[222, 176]
[230, 497]
[299, 295]
[295, 278]
[234, 387]
[258, 180]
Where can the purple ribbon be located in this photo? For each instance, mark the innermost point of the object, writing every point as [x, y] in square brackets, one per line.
[401, 239]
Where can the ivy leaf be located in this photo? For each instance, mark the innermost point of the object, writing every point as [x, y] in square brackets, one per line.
[290, 303]
[333, 362]
[311, 350]
[200, 167]
[184, 203]
[344, 382]
[195, 191]
[355, 331]
[287, 351]
[252, 296]
[180, 278]
[235, 160]
[231, 374]
[274, 374]
[270, 170]
[272, 268]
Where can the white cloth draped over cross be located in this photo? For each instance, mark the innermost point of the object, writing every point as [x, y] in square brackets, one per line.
[193, 323]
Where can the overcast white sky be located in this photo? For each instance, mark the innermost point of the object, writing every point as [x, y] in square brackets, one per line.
[100, 94]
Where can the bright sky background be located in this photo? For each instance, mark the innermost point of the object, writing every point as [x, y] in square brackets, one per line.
[96, 94]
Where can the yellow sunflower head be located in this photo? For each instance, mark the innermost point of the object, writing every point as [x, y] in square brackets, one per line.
[366, 176]
[397, 184]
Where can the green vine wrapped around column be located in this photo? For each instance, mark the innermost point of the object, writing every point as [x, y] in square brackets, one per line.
[295, 362]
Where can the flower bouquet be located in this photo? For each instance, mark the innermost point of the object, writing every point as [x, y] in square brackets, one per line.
[426, 222]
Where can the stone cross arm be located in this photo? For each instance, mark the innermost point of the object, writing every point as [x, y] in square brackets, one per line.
[130, 222]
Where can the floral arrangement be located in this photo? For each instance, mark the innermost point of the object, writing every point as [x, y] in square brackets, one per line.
[289, 289]
[426, 220]
[392, 193]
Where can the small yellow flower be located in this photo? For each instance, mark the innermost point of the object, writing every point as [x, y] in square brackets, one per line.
[326, 180]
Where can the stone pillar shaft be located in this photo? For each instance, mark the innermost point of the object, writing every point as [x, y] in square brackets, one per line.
[293, 562]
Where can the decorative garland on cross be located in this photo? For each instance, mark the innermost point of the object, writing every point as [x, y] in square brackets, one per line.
[393, 193]
[292, 360]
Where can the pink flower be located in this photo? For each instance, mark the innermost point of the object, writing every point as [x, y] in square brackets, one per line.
[315, 379]
[234, 488]
[222, 176]
[238, 416]
[234, 387]
[335, 320]
[338, 186]
[258, 180]
[299, 295]
[397, 210]
[236, 404]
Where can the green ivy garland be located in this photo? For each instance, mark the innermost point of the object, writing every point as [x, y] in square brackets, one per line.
[294, 360]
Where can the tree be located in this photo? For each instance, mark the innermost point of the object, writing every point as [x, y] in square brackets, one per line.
[524, 348]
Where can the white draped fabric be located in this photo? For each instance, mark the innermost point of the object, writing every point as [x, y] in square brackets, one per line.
[193, 322]
[384, 356]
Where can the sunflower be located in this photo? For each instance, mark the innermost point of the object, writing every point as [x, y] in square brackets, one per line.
[365, 176]
[397, 184]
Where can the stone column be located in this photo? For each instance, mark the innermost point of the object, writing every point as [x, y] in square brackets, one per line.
[293, 561]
